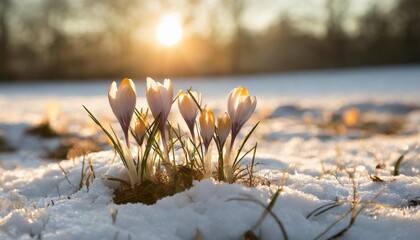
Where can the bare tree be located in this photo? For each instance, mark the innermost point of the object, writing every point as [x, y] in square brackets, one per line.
[336, 37]
[55, 12]
[407, 15]
[5, 6]
[374, 40]
[236, 10]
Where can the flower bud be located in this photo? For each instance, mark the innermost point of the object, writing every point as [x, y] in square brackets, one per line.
[206, 126]
[188, 108]
[140, 128]
[223, 128]
[123, 102]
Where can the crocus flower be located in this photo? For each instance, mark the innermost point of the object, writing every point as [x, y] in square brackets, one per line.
[240, 108]
[188, 108]
[159, 97]
[123, 102]
[206, 126]
[140, 127]
[223, 128]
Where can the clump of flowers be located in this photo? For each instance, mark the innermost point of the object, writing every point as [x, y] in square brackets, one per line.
[165, 159]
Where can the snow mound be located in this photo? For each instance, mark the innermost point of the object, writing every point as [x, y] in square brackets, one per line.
[45, 202]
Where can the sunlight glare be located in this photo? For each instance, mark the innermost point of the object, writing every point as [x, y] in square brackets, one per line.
[169, 30]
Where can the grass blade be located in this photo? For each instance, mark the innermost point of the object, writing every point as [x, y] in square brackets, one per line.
[397, 165]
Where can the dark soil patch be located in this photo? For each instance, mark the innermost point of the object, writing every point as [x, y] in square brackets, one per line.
[148, 192]
[43, 130]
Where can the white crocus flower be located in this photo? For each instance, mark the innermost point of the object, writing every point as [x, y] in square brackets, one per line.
[123, 102]
[159, 97]
[240, 108]
[207, 130]
[188, 108]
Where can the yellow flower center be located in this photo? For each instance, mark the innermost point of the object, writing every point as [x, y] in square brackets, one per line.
[125, 81]
[243, 91]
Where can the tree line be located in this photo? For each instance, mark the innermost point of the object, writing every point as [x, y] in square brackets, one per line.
[59, 39]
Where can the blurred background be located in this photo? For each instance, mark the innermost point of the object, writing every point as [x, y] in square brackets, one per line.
[62, 39]
[322, 70]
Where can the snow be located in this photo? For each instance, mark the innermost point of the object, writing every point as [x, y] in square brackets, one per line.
[41, 198]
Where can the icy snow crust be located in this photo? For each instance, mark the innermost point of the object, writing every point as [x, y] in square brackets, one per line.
[38, 200]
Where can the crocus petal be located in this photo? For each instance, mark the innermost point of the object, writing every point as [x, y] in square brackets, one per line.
[140, 128]
[223, 128]
[159, 98]
[188, 108]
[240, 108]
[126, 97]
[153, 97]
[231, 104]
[169, 88]
[112, 92]
[243, 111]
[206, 126]
[123, 102]
[112, 97]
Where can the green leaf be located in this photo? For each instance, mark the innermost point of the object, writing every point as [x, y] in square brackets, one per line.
[115, 142]
[243, 143]
[397, 165]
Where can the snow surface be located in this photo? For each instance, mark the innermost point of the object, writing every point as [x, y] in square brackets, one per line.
[38, 200]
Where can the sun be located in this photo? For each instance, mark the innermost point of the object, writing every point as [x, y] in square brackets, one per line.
[169, 30]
